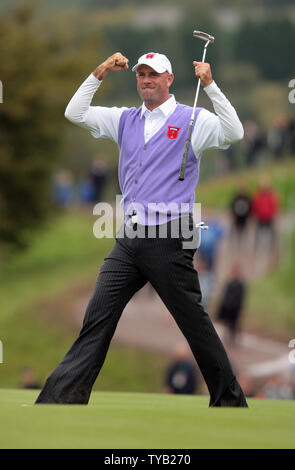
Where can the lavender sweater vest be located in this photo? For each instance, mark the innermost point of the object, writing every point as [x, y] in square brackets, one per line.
[148, 172]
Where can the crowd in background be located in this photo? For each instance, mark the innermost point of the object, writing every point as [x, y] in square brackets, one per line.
[88, 190]
[277, 142]
[258, 211]
[279, 139]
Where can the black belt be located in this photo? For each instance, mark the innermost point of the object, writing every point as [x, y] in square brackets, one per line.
[157, 228]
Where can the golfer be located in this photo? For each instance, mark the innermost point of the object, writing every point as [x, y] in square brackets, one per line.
[151, 140]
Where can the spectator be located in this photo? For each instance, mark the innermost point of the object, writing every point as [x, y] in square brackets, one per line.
[181, 375]
[240, 208]
[87, 190]
[99, 173]
[210, 240]
[232, 303]
[63, 192]
[231, 158]
[206, 279]
[276, 138]
[265, 205]
[28, 379]
[254, 141]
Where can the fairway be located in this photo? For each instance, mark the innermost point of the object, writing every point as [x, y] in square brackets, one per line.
[114, 420]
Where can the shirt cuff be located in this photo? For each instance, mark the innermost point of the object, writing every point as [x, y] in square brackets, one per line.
[93, 79]
[212, 88]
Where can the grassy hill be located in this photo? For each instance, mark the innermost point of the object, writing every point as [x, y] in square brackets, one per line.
[144, 421]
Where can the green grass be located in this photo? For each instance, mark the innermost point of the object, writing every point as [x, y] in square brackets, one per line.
[114, 420]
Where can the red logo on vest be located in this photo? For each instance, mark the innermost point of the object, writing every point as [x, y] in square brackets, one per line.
[149, 56]
[173, 132]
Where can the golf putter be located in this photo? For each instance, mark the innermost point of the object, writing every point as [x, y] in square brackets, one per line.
[209, 39]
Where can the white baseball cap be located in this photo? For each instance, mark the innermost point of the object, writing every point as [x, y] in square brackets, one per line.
[159, 62]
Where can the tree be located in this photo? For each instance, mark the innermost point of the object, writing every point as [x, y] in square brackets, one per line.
[268, 46]
[42, 65]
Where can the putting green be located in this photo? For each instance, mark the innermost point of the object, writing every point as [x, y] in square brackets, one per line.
[115, 420]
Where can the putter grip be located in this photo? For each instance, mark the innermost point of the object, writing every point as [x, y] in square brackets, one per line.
[185, 153]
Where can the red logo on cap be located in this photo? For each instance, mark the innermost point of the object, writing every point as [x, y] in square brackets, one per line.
[173, 132]
[149, 56]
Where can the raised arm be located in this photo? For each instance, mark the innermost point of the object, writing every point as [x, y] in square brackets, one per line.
[115, 63]
[215, 130]
[102, 122]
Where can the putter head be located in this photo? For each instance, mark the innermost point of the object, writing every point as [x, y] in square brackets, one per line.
[203, 36]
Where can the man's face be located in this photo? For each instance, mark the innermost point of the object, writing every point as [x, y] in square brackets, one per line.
[153, 87]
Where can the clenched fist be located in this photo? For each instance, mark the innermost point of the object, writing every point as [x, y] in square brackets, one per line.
[114, 63]
[203, 71]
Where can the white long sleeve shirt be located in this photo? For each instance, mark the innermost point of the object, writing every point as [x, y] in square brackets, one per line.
[212, 130]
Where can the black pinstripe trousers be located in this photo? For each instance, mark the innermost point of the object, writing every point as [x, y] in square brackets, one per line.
[132, 262]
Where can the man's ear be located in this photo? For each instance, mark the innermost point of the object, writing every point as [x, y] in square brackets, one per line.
[170, 78]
